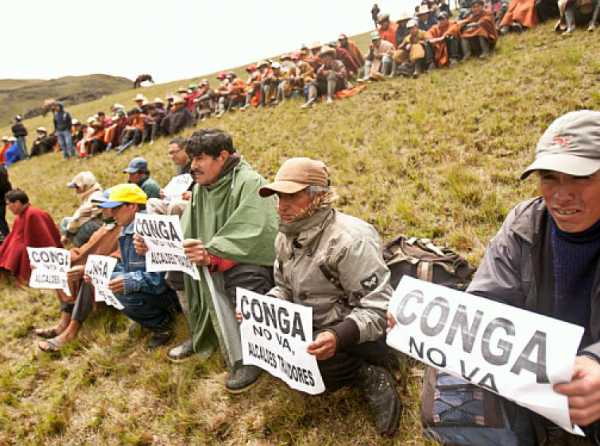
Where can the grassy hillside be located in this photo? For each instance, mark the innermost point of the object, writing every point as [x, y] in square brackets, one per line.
[438, 156]
[25, 97]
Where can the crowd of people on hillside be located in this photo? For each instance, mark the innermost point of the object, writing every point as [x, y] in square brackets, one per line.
[142, 123]
[285, 239]
[409, 46]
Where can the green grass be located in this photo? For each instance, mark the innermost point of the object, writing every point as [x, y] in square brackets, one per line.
[438, 157]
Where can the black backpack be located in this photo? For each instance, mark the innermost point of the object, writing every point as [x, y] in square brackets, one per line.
[420, 258]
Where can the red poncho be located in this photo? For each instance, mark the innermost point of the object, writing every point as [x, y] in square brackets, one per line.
[33, 228]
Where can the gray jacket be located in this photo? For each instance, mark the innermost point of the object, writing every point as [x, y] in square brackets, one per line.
[333, 263]
[516, 268]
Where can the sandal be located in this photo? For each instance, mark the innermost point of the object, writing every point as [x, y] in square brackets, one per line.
[46, 333]
[51, 345]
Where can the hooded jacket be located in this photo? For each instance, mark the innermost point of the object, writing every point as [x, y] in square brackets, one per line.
[62, 119]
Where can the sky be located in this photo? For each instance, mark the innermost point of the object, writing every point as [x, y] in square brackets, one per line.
[170, 39]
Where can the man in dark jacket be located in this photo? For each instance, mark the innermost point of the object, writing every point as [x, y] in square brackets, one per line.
[20, 132]
[546, 259]
[62, 130]
[178, 118]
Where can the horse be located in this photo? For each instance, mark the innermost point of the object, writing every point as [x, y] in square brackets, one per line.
[142, 78]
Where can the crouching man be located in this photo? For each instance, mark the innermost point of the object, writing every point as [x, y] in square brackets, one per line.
[145, 296]
[546, 259]
[332, 262]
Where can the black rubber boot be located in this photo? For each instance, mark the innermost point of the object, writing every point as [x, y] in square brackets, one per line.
[158, 338]
[379, 389]
[241, 378]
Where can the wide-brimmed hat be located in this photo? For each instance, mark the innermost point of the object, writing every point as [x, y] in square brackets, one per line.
[83, 180]
[375, 36]
[423, 9]
[571, 145]
[43, 129]
[411, 23]
[139, 97]
[327, 50]
[315, 45]
[127, 193]
[297, 174]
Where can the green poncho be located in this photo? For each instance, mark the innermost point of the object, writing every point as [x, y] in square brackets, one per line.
[234, 223]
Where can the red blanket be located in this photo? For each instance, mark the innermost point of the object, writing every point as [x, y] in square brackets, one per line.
[33, 228]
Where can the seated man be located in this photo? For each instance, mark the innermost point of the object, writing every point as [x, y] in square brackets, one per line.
[444, 41]
[352, 48]
[577, 13]
[478, 31]
[86, 220]
[44, 143]
[177, 154]
[75, 309]
[520, 14]
[379, 60]
[333, 263]
[94, 143]
[425, 18]
[14, 153]
[230, 231]
[410, 55]
[546, 259]
[146, 297]
[178, 118]
[133, 131]
[331, 77]
[387, 29]
[138, 173]
[32, 228]
[153, 119]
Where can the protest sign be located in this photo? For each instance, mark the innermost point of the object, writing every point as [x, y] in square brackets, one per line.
[164, 239]
[100, 269]
[506, 350]
[275, 336]
[177, 186]
[49, 268]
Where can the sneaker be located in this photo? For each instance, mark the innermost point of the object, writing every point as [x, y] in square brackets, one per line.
[158, 338]
[241, 378]
[591, 28]
[379, 389]
[329, 101]
[181, 352]
[308, 104]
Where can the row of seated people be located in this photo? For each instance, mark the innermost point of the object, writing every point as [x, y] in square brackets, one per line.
[241, 236]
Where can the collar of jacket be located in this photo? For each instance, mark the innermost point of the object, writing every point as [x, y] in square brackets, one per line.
[305, 233]
[528, 224]
[129, 229]
[229, 167]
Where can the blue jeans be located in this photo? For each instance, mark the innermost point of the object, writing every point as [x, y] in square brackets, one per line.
[150, 310]
[66, 142]
[23, 147]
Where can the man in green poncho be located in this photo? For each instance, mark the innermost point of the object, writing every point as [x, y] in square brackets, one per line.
[230, 232]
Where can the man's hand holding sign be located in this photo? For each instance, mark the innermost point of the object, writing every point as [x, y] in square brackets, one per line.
[509, 351]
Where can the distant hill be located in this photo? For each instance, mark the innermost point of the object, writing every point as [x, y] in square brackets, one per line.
[25, 96]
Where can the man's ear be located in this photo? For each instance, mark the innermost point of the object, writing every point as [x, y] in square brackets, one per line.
[224, 155]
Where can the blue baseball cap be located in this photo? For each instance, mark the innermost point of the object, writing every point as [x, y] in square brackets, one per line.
[137, 165]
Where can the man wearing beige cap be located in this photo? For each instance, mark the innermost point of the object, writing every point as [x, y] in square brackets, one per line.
[546, 259]
[332, 262]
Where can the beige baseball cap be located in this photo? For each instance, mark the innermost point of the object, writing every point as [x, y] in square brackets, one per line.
[570, 145]
[297, 174]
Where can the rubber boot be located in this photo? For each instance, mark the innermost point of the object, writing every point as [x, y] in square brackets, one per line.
[466, 48]
[379, 389]
[241, 378]
[485, 48]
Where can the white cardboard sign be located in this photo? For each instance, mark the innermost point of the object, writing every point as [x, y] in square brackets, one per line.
[100, 269]
[164, 239]
[177, 186]
[275, 336]
[506, 350]
[49, 268]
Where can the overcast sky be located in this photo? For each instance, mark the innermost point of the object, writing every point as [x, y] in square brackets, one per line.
[170, 39]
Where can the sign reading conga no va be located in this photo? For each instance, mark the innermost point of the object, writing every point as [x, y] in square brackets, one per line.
[49, 268]
[164, 239]
[275, 336]
[506, 350]
[100, 269]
